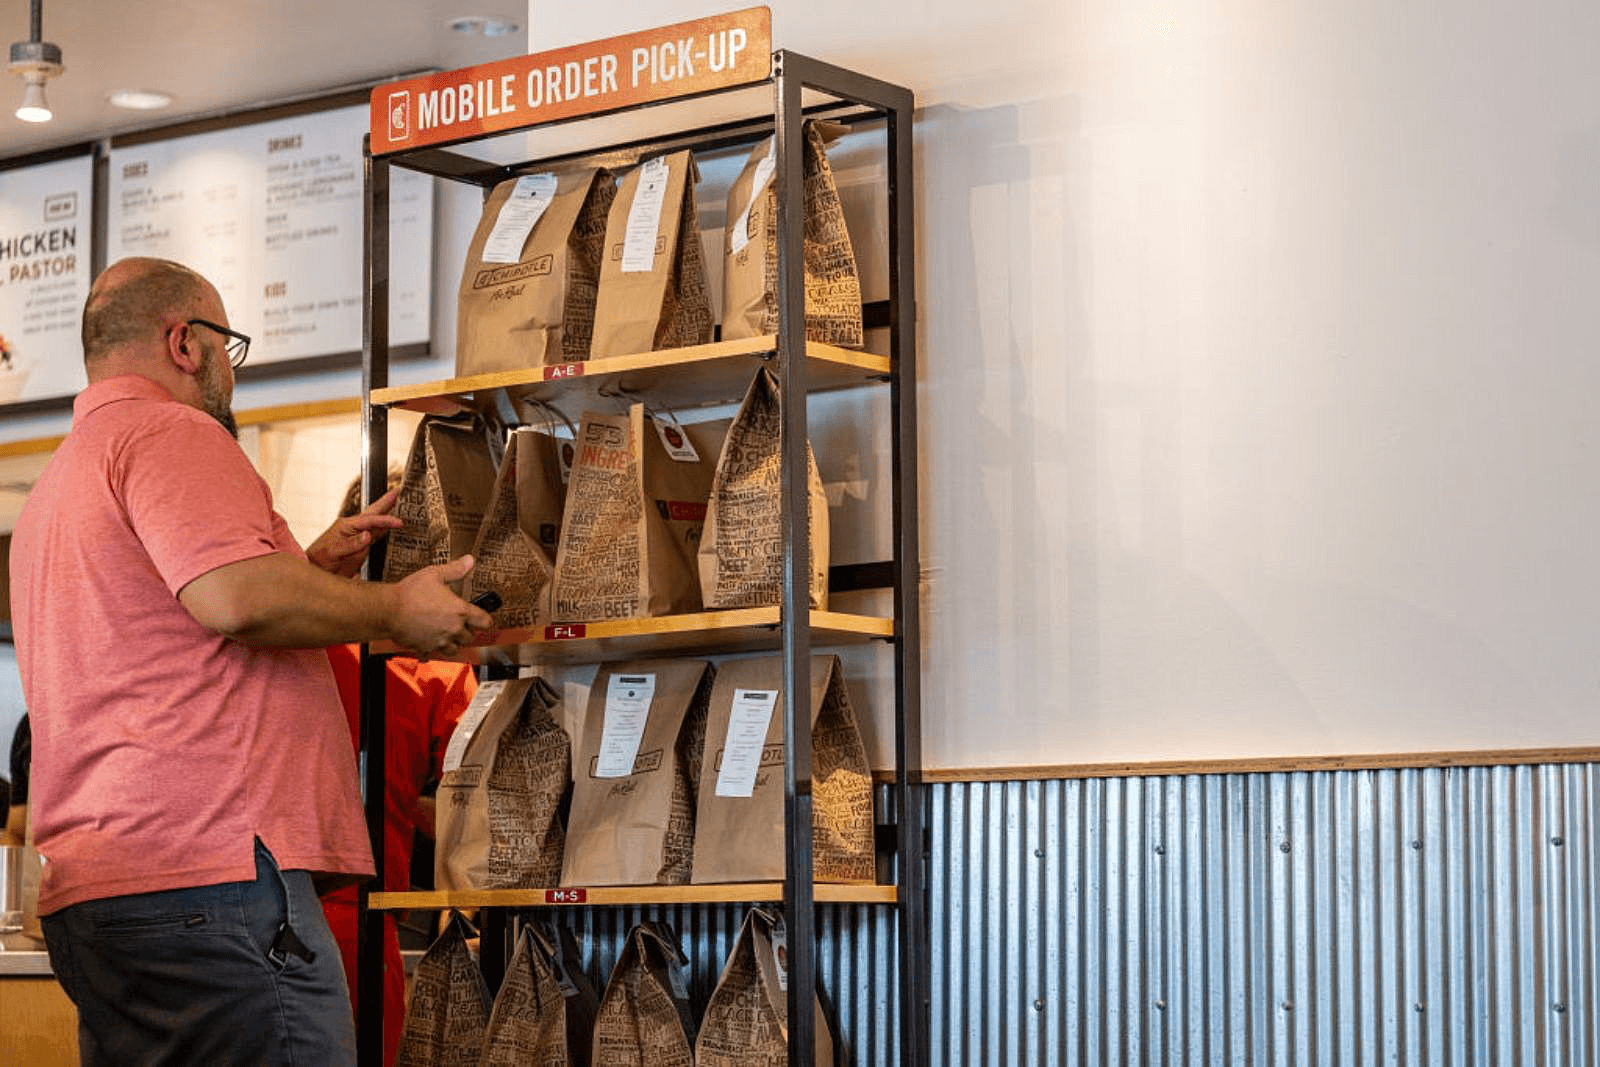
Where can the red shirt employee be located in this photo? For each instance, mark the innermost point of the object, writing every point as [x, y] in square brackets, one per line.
[423, 702]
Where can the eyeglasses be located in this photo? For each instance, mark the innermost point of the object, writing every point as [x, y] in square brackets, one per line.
[238, 346]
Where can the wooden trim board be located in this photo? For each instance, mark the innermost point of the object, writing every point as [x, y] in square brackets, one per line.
[1260, 765]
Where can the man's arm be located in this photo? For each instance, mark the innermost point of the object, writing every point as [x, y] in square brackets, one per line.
[282, 601]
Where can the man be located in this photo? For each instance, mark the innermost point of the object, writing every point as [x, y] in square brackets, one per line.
[193, 780]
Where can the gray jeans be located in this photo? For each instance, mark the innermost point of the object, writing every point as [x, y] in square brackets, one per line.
[240, 973]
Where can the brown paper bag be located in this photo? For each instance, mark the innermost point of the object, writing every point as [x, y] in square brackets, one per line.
[538, 309]
[741, 548]
[515, 550]
[444, 491]
[739, 819]
[506, 772]
[750, 272]
[632, 819]
[544, 1013]
[747, 1019]
[653, 297]
[448, 1006]
[633, 520]
[643, 1019]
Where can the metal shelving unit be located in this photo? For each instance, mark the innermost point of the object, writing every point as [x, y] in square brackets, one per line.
[797, 88]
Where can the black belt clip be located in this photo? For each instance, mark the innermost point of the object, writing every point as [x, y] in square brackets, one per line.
[287, 944]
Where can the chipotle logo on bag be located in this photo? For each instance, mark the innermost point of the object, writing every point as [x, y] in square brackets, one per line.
[485, 279]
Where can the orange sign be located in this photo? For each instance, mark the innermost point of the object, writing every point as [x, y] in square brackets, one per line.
[582, 79]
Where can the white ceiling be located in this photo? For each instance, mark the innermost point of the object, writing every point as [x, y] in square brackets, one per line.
[217, 56]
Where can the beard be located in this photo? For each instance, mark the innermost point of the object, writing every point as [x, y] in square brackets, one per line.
[212, 399]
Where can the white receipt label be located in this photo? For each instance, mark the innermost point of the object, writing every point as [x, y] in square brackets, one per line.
[747, 738]
[468, 725]
[739, 236]
[518, 216]
[627, 710]
[644, 217]
[675, 441]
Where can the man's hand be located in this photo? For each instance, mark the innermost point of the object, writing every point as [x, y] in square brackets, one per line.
[431, 620]
[343, 547]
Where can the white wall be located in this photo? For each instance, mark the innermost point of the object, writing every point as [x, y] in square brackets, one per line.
[1258, 357]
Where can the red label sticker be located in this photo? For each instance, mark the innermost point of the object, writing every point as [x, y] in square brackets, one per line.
[566, 896]
[563, 370]
[564, 631]
[681, 510]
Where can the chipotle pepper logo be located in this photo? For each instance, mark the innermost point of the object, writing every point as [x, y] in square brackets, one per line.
[399, 116]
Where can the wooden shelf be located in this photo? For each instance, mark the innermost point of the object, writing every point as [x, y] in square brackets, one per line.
[732, 893]
[740, 630]
[676, 378]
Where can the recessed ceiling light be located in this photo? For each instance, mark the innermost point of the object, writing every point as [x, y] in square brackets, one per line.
[485, 25]
[139, 99]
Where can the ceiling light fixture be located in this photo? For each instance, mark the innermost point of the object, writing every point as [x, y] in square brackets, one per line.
[139, 99]
[35, 61]
[485, 25]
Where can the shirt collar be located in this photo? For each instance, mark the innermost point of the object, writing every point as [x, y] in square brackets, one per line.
[122, 387]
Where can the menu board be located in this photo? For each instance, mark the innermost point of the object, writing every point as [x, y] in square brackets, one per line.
[270, 212]
[45, 237]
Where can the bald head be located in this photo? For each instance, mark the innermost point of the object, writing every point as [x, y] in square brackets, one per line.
[134, 302]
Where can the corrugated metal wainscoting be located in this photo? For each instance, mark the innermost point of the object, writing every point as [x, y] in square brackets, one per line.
[1437, 916]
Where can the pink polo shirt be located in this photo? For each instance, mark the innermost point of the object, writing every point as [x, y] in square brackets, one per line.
[160, 748]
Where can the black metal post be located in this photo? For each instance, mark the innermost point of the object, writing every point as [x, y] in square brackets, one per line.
[795, 502]
[100, 192]
[494, 946]
[911, 860]
[898, 105]
[374, 481]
